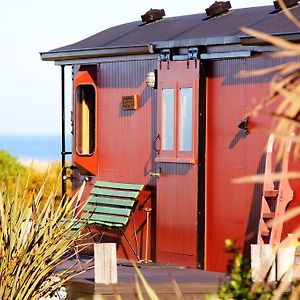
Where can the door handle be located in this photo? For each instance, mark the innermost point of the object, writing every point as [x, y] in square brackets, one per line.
[155, 174]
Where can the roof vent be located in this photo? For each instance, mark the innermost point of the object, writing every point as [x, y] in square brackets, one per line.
[218, 8]
[153, 15]
[288, 3]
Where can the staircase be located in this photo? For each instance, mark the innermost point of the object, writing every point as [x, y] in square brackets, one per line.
[273, 207]
[274, 202]
[296, 273]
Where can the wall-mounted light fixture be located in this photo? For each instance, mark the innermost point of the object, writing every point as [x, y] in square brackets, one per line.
[151, 79]
[244, 125]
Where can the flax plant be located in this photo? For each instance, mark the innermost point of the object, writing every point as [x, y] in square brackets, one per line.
[284, 95]
[35, 238]
[284, 90]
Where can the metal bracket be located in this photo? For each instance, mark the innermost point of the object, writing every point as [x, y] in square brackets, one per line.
[156, 144]
[65, 178]
[71, 167]
[192, 55]
[72, 122]
[244, 125]
[165, 56]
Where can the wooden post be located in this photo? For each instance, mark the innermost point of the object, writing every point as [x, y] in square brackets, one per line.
[105, 266]
[285, 263]
[262, 261]
[147, 260]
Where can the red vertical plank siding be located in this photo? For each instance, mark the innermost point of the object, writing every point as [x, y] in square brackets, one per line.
[224, 110]
[125, 154]
[125, 137]
[177, 215]
[233, 210]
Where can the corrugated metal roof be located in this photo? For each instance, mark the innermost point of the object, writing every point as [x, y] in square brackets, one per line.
[188, 30]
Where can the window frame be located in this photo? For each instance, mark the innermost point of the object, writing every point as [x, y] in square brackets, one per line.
[77, 123]
[189, 155]
[168, 154]
[176, 155]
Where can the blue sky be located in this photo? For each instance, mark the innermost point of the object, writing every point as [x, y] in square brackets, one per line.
[30, 88]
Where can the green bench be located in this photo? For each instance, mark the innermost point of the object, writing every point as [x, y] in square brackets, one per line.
[111, 205]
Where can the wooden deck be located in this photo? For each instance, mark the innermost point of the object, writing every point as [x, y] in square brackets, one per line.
[193, 284]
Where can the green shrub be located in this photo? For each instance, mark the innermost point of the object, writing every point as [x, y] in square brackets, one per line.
[51, 172]
[10, 169]
[240, 285]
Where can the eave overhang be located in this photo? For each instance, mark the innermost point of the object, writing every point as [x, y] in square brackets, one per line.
[243, 41]
[206, 41]
[94, 53]
[247, 40]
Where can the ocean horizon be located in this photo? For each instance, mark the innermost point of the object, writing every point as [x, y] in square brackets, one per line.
[34, 147]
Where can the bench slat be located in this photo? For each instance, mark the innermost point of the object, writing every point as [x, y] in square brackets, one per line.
[107, 210]
[105, 223]
[115, 193]
[118, 185]
[111, 201]
[115, 220]
[76, 226]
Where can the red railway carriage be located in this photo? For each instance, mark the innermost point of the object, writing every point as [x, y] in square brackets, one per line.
[157, 102]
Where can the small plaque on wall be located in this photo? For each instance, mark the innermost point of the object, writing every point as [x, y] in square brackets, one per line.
[130, 102]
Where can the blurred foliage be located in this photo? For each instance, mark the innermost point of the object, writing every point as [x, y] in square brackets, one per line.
[239, 284]
[52, 172]
[10, 169]
[284, 88]
[36, 173]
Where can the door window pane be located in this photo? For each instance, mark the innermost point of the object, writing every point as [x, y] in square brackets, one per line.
[185, 119]
[167, 138]
[85, 119]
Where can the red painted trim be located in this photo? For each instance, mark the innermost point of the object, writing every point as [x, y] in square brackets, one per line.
[176, 160]
[164, 153]
[175, 155]
[87, 164]
[95, 112]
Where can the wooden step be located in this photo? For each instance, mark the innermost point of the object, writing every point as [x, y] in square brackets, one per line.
[265, 232]
[268, 215]
[270, 194]
[297, 260]
[296, 274]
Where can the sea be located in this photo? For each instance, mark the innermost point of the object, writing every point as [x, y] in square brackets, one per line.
[44, 148]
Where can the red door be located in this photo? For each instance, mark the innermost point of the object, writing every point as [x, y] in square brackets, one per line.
[176, 162]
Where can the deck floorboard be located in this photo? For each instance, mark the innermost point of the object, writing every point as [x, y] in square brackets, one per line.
[193, 284]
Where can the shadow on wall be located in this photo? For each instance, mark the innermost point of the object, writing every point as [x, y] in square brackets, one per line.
[254, 215]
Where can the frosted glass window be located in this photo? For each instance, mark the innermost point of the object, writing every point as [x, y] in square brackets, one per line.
[167, 139]
[185, 119]
[85, 119]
